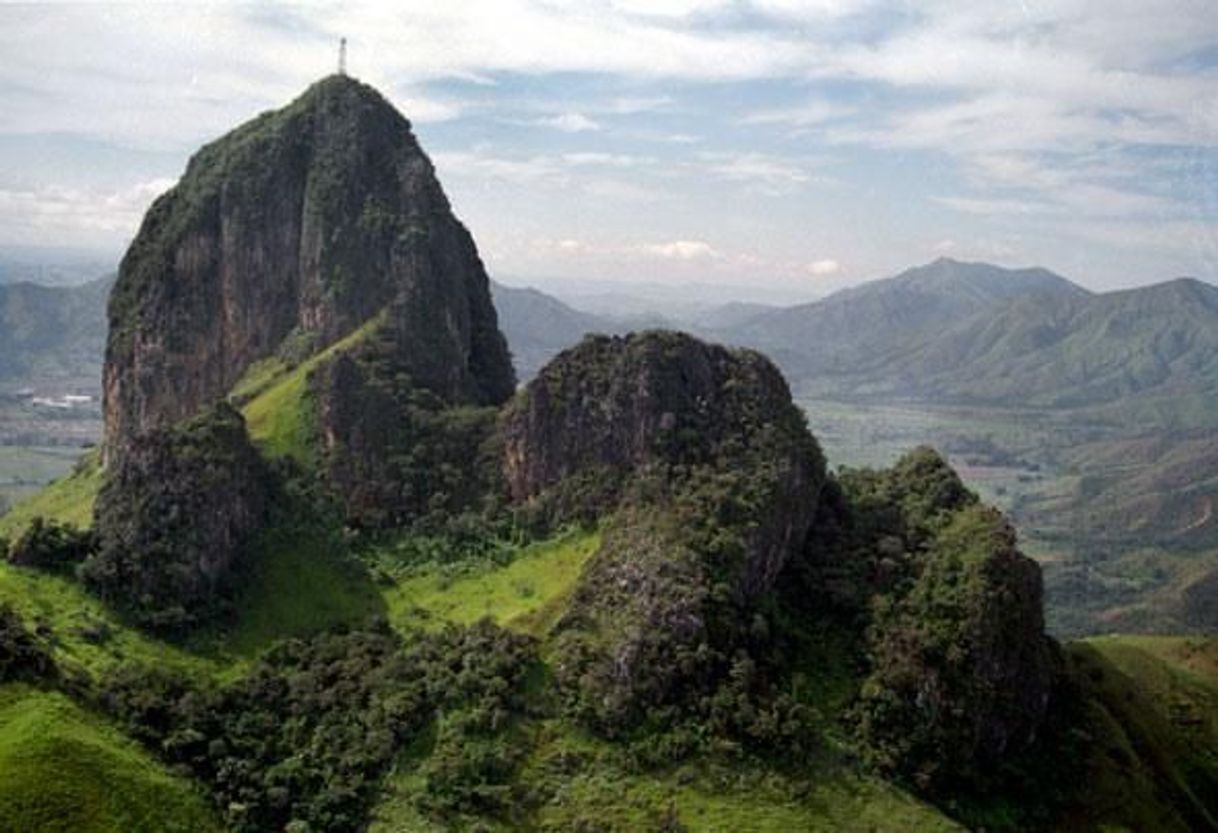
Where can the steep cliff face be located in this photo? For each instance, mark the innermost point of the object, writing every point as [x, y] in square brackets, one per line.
[283, 236]
[394, 454]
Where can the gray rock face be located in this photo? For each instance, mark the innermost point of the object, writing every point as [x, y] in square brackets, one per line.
[285, 235]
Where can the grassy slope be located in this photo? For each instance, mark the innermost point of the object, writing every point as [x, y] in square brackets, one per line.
[69, 500]
[1154, 708]
[64, 769]
[583, 787]
[86, 636]
[526, 594]
[529, 594]
[304, 582]
[275, 402]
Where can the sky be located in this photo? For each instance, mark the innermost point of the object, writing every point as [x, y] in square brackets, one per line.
[773, 146]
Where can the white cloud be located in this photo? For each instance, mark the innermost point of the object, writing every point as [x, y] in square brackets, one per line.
[682, 250]
[54, 213]
[611, 160]
[810, 113]
[980, 205]
[762, 172]
[484, 165]
[824, 267]
[570, 123]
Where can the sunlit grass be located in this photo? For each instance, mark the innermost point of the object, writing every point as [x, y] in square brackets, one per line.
[279, 417]
[527, 594]
[67, 500]
[63, 768]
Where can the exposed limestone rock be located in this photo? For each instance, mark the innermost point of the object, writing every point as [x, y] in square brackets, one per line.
[285, 235]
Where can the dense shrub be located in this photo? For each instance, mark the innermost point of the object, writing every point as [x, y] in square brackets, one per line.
[305, 737]
[51, 546]
[175, 519]
[22, 656]
[395, 453]
[961, 673]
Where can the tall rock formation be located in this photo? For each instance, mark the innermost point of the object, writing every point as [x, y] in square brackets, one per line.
[282, 237]
[614, 408]
[707, 480]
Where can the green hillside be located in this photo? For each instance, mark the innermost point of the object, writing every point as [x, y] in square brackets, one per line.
[1153, 705]
[1162, 694]
[67, 500]
[64, 769]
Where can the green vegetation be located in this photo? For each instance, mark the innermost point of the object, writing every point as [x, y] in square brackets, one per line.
[68, 501]
[51, 546]
[22, 655]
[526, 594]
[399, 455]
[302, 580]
[175, 519]
[64, 769]
[1151, 720]
[85, 635]
[572, 781]
[302, 740]
[274, 398]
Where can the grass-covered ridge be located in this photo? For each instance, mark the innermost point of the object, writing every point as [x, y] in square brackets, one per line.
[274, 399]
[527, 593]
[1153, 707]
[63, 768]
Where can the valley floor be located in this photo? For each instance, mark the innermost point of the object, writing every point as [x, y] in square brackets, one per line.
[1121, 520]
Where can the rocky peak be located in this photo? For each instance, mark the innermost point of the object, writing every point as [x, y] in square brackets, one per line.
[284, 236]
[616, 409]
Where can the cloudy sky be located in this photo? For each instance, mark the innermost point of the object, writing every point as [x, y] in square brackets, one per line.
[794, 146]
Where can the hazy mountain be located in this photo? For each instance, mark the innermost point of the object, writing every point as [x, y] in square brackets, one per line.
[729, 316]
[1072, 351]
[52, 265]
[855, 327]
[537, 326]
[53, 334]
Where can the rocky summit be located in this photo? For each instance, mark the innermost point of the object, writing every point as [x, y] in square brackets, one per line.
[281, 238]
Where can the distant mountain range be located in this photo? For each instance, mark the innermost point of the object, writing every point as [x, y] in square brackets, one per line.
[53, 334]
[52, 265]
[973, 333]
[537, 326]
[945, 332]
[860, 326]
